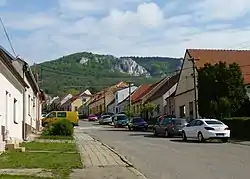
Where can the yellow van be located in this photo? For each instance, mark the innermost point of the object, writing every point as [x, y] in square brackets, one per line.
[55, 116]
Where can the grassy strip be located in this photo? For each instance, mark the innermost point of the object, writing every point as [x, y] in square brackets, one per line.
[50, 146]
[56, 137]
[19, 177]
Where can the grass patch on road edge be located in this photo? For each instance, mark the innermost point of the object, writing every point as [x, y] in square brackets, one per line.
[19, 177]
[56, 137]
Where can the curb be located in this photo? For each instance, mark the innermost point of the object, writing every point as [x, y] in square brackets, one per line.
[130, 166]
[239, 143]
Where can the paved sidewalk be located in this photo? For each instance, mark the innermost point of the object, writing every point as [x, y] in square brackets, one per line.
[99, 161]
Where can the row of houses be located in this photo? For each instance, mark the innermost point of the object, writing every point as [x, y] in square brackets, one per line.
[173, 95]
[21, 100]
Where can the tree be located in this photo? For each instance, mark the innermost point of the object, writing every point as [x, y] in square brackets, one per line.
[221, 90]
[148, 108]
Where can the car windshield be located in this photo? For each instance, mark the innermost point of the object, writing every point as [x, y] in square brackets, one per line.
[122, 117]
[179, 121]
[106, 116]
[213, 122]
[138, 120]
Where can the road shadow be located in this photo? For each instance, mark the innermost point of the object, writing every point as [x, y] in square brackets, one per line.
[116, 130]
[195, 141]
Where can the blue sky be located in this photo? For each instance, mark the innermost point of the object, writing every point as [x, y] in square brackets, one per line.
[43, 30]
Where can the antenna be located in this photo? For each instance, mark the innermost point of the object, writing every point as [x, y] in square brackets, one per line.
[8, 38]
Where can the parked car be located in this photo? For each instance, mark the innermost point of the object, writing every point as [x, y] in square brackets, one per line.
[105, 119]
[137, 123]
[120, 120]
[169, 126]
[203, 129]
[92, 117]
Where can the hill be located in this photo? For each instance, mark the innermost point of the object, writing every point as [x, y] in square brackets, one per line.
[76, 72]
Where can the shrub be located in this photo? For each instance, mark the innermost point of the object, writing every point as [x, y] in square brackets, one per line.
[61, 128]
[239, 127]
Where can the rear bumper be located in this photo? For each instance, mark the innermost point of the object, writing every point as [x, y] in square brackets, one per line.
[216, 134]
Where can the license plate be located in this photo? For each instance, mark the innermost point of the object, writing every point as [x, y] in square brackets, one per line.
[220, 134]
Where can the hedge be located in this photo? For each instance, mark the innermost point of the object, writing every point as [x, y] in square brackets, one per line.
[239, 127]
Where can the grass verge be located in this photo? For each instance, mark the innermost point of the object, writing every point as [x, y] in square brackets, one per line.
[18, 177]
[50, 146]
[60, 163]
[56, 137]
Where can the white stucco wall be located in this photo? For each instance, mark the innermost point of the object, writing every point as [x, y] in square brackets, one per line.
[111, 108]
[10, 85]
[123, 94]
[122, 106]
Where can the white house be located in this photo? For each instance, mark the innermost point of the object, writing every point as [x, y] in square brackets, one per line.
[12, 89]
[66, 98]
[161, 97]
[197, 58]
[32, 104]
[121, 95]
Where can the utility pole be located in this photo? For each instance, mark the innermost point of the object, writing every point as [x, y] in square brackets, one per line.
[195, 88]
[129, 89]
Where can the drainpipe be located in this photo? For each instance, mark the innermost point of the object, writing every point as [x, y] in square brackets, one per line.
[24, 105]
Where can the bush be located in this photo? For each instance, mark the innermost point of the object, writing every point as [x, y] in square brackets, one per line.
[239, 127]
[61, 128]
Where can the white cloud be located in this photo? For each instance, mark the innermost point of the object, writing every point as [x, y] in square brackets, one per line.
[129, 27]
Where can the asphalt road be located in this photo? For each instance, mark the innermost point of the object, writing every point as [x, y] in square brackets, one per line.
[171, 158]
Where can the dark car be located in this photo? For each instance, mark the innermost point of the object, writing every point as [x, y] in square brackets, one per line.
[137, 123]
[169, 127]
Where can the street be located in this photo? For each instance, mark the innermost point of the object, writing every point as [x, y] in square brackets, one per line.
[170, 158]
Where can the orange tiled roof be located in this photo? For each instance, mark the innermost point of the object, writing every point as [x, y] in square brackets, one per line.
[242, 57]
[140, 92]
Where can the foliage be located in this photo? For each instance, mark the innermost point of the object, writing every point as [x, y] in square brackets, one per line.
[221, 90]
[61, 128]
[239, 127]
[149, 107]
[69, 73]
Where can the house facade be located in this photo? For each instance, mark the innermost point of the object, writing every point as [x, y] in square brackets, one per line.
[101, 100]
[197, 58]
[32, 105]
[11, 104]
[161, 97]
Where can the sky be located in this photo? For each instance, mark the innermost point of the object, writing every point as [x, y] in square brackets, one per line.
[42, 30]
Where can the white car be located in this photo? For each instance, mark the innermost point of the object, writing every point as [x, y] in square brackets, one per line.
[203, 129]
[105, 119]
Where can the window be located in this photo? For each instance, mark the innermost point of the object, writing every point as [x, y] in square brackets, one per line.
[199, 123]
[158, 108]
[7, 107]
[61, 114]
[182, 111]
[53, 114]
[84, 100]
[29, 104]
[191, 110]
[213, 122]
[76, 108]
[15, 111]
[193, 123]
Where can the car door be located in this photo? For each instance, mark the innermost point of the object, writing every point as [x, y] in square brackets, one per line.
[61, 115]
[189, 129]
[197, 127]
[163, 126]
[52, 117]
[157, 125]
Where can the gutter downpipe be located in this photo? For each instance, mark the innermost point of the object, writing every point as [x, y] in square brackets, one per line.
[24, 105]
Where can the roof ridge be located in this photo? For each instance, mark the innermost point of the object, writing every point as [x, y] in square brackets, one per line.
[207, 49]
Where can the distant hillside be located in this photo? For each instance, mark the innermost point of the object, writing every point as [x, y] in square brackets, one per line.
[76, 72]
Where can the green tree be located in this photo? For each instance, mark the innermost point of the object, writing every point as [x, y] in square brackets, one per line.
[221, 90]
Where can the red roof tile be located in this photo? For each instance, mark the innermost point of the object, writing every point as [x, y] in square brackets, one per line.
[139, 92]
[242, 57]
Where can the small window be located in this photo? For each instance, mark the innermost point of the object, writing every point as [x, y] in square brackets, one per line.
[61, 114]
[199, 123]
[15, 111]
[29, 99]
[193, 123]
[76, 108]
[53, 114]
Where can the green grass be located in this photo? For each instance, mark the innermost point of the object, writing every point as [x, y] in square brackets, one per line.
[50, 146]
[19, 177]
[56, 137]
[60, 163]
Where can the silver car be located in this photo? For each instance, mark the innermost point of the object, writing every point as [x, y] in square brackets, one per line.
[105, 119]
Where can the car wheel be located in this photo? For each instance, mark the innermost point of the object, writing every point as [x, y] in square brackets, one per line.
[225, 140]
[155, 134]
[145, 128]
[184, 137]
[166, 133]
[200, 137]
[129, 128]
